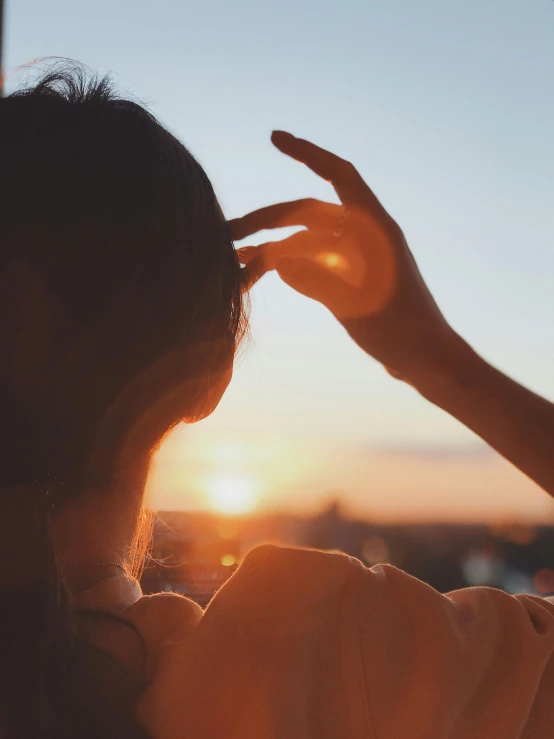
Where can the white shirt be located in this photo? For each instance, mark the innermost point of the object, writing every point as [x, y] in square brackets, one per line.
[302, 644]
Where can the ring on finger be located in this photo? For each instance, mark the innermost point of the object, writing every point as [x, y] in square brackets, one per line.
[340, 223]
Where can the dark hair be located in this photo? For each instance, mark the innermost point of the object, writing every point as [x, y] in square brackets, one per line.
[114, 257]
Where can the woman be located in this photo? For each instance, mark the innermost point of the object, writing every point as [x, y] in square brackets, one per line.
[121, 312]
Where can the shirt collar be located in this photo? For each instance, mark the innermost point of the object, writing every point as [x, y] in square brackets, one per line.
[112, 595]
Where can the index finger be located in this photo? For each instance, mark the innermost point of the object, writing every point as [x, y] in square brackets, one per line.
[314, 214]
[345, 178]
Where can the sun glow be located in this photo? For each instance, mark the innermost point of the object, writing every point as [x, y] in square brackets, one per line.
[231, 494]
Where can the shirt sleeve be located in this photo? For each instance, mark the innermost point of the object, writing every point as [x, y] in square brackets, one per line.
[474, 663]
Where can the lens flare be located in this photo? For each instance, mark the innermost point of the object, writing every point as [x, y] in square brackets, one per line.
[333, 260]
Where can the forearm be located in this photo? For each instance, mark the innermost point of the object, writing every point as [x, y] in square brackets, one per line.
[515, 421]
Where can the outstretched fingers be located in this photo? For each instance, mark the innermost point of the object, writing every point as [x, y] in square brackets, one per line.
[314, 214]
[348, 183]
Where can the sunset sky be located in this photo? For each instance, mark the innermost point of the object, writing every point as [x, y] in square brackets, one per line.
[447, 110]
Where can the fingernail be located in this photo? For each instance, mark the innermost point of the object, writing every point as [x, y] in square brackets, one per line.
[281, 134]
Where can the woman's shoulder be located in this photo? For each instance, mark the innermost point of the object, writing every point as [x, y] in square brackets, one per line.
[289, 576]
[387, 605]
[365, 639]
[279, 556]
[267, 574]
[403, 634]
[286, 561]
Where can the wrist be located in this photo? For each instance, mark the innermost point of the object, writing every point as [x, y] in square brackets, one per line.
[453, 367]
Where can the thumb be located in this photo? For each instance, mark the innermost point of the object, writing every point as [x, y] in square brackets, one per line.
[315, 281]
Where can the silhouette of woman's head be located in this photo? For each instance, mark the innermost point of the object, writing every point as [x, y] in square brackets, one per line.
[120, 283]
[120, 299]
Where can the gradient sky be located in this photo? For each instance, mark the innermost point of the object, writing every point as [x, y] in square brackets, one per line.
[447, 110]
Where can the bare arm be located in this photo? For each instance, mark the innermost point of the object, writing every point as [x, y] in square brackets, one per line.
[515, 421]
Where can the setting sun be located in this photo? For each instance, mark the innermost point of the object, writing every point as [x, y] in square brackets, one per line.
[231, 494]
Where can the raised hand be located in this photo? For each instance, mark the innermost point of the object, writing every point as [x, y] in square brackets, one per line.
[354, 259]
